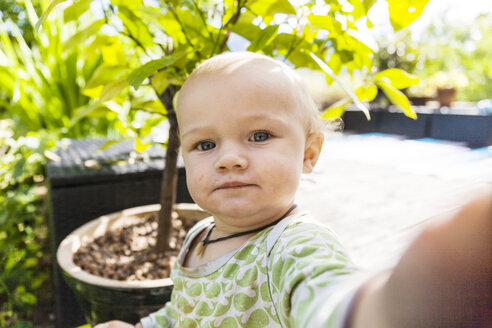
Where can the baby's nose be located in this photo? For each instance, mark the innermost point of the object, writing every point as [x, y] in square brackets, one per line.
[231, 158]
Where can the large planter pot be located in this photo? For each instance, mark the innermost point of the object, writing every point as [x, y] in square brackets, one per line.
[105, 299]
[446, 96]
[419, 100]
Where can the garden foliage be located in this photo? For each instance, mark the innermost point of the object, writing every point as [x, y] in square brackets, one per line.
[24, 252]
[41, 80]
[461, 54]
[446, 54]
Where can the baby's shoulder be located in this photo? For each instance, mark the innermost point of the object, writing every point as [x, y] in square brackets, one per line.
[303, 231]
[304, 227]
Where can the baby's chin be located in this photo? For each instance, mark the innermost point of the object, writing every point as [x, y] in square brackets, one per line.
[246, 216]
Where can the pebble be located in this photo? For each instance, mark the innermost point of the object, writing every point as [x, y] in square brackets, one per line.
[101, 257]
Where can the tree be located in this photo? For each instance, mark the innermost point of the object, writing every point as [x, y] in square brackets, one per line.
[151, 47]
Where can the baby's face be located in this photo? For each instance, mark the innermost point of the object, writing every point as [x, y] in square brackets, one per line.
[243, 145]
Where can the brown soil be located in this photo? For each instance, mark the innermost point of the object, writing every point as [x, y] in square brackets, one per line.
[128, 253]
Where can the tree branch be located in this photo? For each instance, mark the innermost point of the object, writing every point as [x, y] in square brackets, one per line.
[202, 19]
[293, 45]
[234, 18]
[175, 15]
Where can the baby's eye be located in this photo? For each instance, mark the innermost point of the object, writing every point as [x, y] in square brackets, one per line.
[205, 145]
[260, 136]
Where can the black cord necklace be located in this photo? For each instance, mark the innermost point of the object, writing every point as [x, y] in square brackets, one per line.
[200, 248]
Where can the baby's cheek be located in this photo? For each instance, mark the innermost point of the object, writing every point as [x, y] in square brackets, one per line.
[285, 174]
[195, 181]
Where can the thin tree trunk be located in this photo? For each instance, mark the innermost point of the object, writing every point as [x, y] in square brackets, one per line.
[169, 175]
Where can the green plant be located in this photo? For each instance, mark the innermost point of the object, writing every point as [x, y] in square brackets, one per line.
[158, 45]
[24, 253]
[41, 101]
[10, 9]
[41, 82]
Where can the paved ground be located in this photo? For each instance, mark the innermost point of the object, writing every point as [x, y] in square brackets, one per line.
[377, 190]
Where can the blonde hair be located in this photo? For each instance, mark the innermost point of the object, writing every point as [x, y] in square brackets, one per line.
[232, 61]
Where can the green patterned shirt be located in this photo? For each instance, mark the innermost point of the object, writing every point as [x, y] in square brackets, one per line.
[294, 274]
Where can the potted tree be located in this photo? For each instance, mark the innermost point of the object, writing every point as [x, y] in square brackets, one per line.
[147, 53]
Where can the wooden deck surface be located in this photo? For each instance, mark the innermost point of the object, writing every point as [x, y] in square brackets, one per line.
[376, 191]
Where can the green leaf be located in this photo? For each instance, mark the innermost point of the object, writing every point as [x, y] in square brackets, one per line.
[403, 12]
[265, 8]
[149, 124]
[108, 143]
[397, 98]
[151, 106]
[83, 34]
[325, 23]
[113, 54]
[10, 263]
[336, 110]
[281, 6]
[44, 16]
[194, 29]
[265, 37]
[245, 26]
[281, 42]
[301, 58]
[171, 27]
[136, 26]
[358, 11]
[106, 74]
[29, 298]
[83, 111]
[76, 9]
[335, 63]
[140, 74]
[37, 281]
[325, 68]
[366, 93]
[112, 90]
[30, 262]
[160, 81]
[131, 4]
[141, 146]
[18, 169]
[31, 13]
[368, 4]
[398, 78]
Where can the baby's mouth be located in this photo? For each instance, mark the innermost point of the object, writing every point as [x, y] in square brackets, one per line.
[233, 185]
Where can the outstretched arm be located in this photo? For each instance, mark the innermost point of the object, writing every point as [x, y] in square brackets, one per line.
[117, 324]
[443, 280]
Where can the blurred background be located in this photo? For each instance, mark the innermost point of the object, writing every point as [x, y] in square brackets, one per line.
[446, 47]
[65, 100]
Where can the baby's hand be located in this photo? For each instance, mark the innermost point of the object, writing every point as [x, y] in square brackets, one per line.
[116, 324]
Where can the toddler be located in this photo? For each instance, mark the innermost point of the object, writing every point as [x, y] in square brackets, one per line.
[248, 129]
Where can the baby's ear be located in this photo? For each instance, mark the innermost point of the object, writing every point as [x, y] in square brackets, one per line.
[314, 143]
